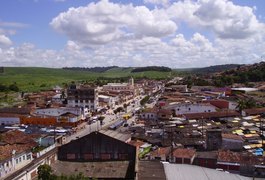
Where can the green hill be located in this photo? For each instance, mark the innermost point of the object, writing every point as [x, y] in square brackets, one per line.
[36, 78]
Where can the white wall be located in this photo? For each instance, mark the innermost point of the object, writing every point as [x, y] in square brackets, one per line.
[9, 120]
[192, 108]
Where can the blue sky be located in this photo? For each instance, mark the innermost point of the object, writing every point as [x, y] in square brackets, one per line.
[180, 34]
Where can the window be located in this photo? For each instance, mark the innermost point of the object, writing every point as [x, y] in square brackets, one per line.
[19, 159]
[24, 158]
[28, 156]
[16, 161]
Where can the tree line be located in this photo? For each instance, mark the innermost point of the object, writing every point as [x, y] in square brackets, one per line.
[151, 68]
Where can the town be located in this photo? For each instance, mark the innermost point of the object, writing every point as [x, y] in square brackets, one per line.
[144, 129]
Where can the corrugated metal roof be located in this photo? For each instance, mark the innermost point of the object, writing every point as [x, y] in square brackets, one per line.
[190, 172]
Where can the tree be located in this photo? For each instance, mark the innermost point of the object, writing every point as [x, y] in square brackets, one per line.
[44, 172]
[241, 104]
[13, 87]
[246, 104]
[3, 88]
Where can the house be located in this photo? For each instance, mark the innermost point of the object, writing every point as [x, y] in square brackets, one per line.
[15, 148]
[149, 114]
[184, 156]
[228, 160]
[164, 114]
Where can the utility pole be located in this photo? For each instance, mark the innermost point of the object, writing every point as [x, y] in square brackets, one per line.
[202, 127]
[261, 128]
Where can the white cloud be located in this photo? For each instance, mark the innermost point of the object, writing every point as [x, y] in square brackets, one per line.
[5, 41]
[104, 22]
[157, 2]
[225, 19]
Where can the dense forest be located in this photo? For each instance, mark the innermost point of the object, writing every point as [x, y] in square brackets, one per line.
[151, 68]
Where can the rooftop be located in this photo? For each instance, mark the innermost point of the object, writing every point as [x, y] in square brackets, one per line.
[110, 169]
[151, 170]
[116, 135]
[190, 172]
[184, 153]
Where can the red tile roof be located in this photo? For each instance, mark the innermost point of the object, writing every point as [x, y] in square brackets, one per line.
[232, 136]
[137, 143]
[255, 111]
[184, 153]
[160, 151]
[15, 140]
[6, 151]
[16, 137]
[228, 156]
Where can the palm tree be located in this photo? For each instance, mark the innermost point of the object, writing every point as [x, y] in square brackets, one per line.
[241, 104]
[245, 104]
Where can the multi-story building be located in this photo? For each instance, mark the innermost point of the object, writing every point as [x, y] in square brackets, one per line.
[83, 96]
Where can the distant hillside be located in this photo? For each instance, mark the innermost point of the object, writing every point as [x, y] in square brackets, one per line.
[241, 74]
[215, 69]
[93, 69]
[30, 79]
[245, 73]
[151, 68]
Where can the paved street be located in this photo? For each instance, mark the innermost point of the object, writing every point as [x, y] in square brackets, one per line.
[109, 119]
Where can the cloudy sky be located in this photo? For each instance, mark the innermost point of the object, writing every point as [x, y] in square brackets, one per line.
[173, 33]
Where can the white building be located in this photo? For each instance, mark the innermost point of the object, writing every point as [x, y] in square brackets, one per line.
[120, 86]
[83, 96]
[56, 112]
[110, 101]
[188, 108]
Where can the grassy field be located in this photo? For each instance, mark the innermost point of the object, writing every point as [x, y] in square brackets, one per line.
[30, 79]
